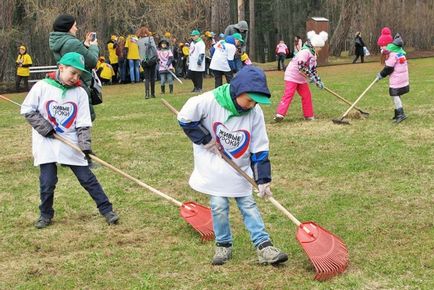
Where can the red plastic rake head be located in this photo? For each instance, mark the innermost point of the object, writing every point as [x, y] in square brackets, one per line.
[199, 217]
[327, 252]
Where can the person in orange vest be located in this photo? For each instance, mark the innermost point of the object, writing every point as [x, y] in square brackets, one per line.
[23, 62]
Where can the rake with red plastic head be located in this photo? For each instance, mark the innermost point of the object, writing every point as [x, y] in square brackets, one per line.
[197, 215]
[327, 252]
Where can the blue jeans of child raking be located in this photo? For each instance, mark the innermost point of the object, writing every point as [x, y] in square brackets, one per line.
[48, 181]
[251, 217]
[134, 70]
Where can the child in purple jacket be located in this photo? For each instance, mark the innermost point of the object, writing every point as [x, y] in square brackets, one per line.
[396, 67]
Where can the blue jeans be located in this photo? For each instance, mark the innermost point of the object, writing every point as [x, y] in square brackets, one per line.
[123, 69]
[166, 77]
[48, 181]
[134, 70]
[251, 217]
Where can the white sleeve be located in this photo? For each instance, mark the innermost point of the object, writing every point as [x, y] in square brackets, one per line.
[192, 111]
[259, 138]
[31, 102]
[231, 51]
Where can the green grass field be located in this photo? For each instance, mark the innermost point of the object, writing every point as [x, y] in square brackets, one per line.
[371, 183]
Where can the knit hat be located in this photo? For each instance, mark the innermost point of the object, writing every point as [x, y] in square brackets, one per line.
[238, 37]
[195, 32]
[63, 23]
[385, 37]
[113, 37]
[23, 47]
[73, 59]
[317, 40]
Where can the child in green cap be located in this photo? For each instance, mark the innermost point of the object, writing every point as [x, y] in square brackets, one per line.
[59, 105]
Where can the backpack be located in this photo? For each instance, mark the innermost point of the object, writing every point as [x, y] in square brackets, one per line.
[95, 89]
[151, 57]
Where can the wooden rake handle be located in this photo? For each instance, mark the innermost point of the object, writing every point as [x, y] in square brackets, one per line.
[124, 174]
[247, 177]
[344, 100]
[359, 98]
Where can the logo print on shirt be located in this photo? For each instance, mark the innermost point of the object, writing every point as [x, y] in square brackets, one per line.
[62, 116]
[234, 142]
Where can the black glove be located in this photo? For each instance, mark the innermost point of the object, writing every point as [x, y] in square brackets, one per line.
[50, 134]
[87, 157]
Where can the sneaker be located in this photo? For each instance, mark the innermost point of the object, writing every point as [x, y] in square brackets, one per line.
[278, 118]
[309, 118]
[111, 217]
[271, 255]
[222, 254]
[42, 222]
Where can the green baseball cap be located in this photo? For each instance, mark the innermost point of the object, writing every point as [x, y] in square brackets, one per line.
[238, 37]
[260, 98]
[195, 32]
[75, 60]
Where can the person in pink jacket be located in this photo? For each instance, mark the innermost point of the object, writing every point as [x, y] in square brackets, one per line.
[396, 67]
[302, 66]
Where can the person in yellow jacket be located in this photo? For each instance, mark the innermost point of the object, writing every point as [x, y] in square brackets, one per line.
[185, 49]
[23, 62]
[113, 58]
[133, 57]
[104, 71]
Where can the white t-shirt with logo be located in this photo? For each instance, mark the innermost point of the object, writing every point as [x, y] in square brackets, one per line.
[240, 136]
[65, 114]
[196, 49]
[222, 54]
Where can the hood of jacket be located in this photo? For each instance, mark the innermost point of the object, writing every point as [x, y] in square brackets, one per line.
[249, 79]
[57, 40]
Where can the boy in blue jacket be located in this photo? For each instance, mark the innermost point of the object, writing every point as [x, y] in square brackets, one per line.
[228, 121]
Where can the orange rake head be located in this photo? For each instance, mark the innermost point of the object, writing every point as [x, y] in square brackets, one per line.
[199, 217]
[327, 252]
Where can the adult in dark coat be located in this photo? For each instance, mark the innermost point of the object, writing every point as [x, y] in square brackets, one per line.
[358, 46]
[63, 40]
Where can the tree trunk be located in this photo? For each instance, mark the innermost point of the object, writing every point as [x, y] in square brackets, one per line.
[252, 30]
[220, 15]
[337, 41]
[241, 12]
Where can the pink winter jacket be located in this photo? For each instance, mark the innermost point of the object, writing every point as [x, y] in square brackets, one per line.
[292, 72]
[399, 77]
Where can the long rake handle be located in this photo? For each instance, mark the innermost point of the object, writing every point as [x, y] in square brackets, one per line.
[358, 99]
[247, 177]
[108, 165]
[344, 100]
[124, 174]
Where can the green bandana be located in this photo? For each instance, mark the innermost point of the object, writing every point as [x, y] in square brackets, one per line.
[222, 95]
[56, 84]
[308, 45]
[395, 48]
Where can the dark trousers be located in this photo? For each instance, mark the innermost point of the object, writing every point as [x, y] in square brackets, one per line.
[197, 78]
[150, 75]
[18, 81]
[362, 58]
[218, 77]
[48, 181]
[115, 67]
[281, 61]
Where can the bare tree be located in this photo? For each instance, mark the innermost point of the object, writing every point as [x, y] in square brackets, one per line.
[252, 21]
[337, 41]
[220, 15]
[241, 11]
